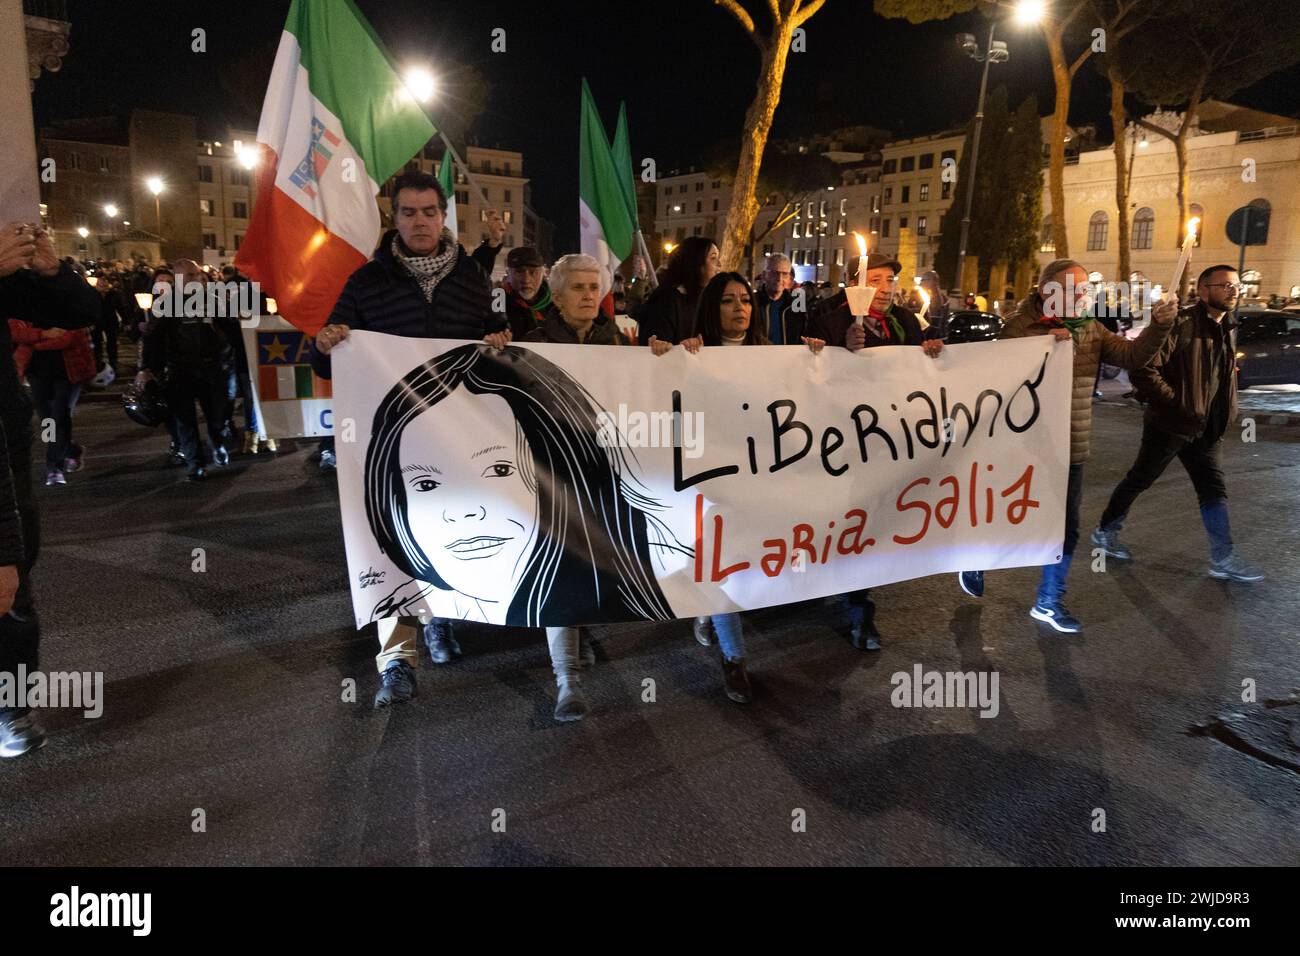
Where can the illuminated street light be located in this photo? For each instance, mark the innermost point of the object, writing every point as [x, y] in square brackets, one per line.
[155, 185]
[421, 84]
[110, 211]
[1030, 12]
[83, 232]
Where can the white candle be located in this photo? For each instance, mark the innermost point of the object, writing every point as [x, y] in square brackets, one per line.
[860, 295]
[1188, 241]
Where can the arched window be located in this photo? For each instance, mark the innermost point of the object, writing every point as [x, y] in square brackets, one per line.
[1196, 211]
[1046, 243]
[1144, 227]
[1098, 227]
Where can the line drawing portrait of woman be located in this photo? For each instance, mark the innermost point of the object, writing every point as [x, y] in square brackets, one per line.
[531, 520]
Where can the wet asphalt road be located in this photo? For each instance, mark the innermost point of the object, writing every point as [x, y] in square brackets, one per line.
[223, 693]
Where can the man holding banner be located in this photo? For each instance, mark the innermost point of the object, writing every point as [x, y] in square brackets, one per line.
[420, 284]
[1061, 305]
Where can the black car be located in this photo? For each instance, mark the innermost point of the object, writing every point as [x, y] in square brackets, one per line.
[971, 325]
[1268, 348]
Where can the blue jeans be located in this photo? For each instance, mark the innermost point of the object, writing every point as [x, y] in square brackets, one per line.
[1053, 587]
[731, 635]
[855, 606]
[56, 397]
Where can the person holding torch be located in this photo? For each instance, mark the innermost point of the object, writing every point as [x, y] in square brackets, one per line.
[865, 315]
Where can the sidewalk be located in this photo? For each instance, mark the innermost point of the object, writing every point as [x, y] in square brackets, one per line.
[1267, 404]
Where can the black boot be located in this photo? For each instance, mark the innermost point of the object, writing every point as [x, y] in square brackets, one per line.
[704, 632]
[735, 680]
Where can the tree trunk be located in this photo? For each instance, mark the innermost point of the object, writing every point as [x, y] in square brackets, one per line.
[1185, 175]
[1062, 77]
[1117, 125]
[758, 123]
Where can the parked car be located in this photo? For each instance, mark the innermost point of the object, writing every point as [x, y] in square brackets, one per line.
[1268, 348]
[970, 325]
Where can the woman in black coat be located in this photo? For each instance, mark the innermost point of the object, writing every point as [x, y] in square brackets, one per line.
[669, 313]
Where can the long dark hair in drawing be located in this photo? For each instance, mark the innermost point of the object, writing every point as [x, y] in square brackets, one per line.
[548, 523]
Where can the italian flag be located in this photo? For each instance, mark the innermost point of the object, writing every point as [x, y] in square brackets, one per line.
[605, 224]
[337, 122]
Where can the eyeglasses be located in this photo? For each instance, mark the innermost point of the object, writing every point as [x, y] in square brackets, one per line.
[1227, 286]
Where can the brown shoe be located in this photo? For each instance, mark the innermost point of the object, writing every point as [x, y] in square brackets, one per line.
[735, 680]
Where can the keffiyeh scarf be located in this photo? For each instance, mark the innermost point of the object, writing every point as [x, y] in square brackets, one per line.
[428, 271]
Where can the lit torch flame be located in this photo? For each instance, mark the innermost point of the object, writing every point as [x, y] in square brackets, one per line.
[1193, 225]
[862, 243]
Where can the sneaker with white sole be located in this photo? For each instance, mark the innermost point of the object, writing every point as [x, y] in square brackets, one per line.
[20, 732]
[1233, 568]
[1108, 541]
[1057, 616]
[972, 582]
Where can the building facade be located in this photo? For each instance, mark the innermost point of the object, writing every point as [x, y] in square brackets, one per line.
[1256, 164]
[227, 178]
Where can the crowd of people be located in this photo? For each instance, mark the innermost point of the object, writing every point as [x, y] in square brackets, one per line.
[422, 283]
[65, 326]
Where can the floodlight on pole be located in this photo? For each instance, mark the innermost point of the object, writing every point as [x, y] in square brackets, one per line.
[420, 84]
[1030, 12]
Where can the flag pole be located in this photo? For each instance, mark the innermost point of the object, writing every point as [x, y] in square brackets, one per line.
[651, 278]
[465, 167]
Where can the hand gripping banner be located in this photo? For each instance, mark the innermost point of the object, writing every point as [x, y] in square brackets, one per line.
[563, 485]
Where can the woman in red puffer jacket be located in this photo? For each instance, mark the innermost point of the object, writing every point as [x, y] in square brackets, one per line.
[57, 363]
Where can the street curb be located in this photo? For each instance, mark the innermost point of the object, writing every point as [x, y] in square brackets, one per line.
[1261, 417]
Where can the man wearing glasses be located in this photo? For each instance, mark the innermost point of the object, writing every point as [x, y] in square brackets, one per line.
[784, 326]
[1191, 391]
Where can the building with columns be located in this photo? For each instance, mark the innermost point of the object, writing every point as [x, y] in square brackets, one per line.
[1236, 157]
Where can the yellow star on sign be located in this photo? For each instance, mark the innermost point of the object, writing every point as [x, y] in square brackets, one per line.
[275, 351]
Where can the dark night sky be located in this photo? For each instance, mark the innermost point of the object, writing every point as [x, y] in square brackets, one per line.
[684, 67]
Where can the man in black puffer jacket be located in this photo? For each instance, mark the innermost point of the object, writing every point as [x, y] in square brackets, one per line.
[420, 284]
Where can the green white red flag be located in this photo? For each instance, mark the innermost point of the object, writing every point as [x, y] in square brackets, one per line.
[337, 122]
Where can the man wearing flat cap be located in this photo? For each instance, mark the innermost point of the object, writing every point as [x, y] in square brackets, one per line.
[528, 297]
[886, 323]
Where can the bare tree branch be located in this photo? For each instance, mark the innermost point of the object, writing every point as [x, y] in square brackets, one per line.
[739, 12]
[802, 16]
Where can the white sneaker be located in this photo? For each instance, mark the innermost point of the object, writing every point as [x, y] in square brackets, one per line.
[105, 378]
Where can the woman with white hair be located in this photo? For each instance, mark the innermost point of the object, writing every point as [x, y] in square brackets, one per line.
[574, 319]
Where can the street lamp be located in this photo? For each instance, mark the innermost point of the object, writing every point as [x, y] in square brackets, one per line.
[155, 186]
[110, 211]
[1026, 13]
[420, 84]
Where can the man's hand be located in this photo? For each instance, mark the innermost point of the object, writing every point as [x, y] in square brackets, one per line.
[814, 345]
[52, 333]
[693, 345]
[932, 347]
[659, 347]
[1062, 335]
[46, 261]
[329, 337]
[1165, 311]
[496, 228]
[499, 340]
[8, 587]
[17, 247]
[856, 337]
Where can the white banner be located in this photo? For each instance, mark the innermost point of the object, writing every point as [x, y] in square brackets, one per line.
[291, 401]
[559, 484]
